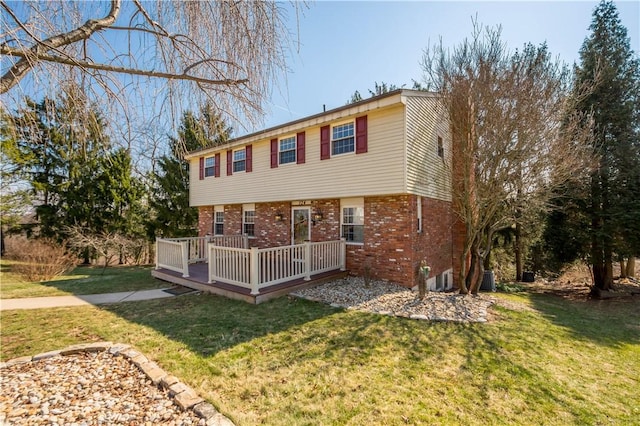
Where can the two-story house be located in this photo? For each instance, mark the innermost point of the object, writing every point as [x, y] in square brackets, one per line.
[376, 173]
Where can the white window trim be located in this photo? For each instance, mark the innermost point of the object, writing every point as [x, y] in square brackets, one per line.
[295, 149]
[331, 140]
[357, 203]
[234, 161]
[216, 210]
[213, 159]
[247, 208]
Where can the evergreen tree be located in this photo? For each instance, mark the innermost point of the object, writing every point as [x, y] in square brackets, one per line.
[170, 196]
[80, 184]
[608, 63]
[54, 144]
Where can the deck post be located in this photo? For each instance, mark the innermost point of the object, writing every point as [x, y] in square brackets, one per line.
[343, 254]
[156, 254]
[185, 258]
[212, 264]
[307, 261]
[245, 241]
[254, 269]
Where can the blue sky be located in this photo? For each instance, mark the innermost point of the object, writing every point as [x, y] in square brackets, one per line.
[347, 46]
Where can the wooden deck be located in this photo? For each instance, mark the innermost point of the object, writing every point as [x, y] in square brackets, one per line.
[198, 280]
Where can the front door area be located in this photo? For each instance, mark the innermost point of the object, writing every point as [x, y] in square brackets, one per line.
[301, 231]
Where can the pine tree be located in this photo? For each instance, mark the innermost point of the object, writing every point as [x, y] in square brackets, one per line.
[170, 196]
[609, 64]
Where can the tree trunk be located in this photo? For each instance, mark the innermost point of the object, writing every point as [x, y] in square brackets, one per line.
[462, 276]
[476, 280]
[471, 273]
[623, 268]
[597, 253]
[607, 235]
[518, 252]
[631, 267]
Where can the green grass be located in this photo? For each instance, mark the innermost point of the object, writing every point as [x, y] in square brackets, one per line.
[293, 362]
[82, 280]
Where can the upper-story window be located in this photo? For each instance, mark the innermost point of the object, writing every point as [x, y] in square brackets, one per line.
[287, 150]
[209, 166]
[239, 160]
[342, 138]
[440, 147]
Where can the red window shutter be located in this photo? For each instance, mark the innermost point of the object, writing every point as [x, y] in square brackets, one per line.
[274, 153]
[249, 153]
[361, 134]
[229, 163]
[300, 148]
[201, 168]
[218, 166]
[325, 142]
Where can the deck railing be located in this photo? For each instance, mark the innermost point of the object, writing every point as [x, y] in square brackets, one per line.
[176, 254]
[256, 268]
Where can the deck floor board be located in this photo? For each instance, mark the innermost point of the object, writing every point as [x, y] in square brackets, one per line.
[198, 277]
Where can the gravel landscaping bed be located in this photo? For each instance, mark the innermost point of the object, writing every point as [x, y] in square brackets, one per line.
[391, 299]
[98, 384]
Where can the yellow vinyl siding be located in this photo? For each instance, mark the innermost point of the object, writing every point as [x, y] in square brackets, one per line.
[428, 174]
[379, 171]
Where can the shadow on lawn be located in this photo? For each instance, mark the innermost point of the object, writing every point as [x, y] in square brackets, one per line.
[208, 324]
[605, 322]
[97, 279]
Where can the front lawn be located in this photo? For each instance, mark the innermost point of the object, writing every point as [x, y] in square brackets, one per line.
[294, 362]
[82, 280]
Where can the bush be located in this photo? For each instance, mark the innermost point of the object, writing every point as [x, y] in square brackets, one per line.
[38, 259]
[509, 287]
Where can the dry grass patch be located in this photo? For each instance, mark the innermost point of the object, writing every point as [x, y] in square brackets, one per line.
[38, 260]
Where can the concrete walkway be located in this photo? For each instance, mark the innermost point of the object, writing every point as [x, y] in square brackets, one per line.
[88, 299]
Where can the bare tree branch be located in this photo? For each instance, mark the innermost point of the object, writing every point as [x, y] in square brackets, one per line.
[30, 57]
[34, 57]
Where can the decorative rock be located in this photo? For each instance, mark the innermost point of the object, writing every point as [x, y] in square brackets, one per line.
[187, 399]
[385, 298]
[152, 371]
[168, 380]
[205, 410]
[45, 355]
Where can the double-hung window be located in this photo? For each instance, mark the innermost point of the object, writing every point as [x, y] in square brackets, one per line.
[352, 222]
[209, 166]
[218, 225]
[287, 150]
[248, 221]
[343, 138]
[239, 160]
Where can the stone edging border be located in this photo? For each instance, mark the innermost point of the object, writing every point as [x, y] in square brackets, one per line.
[182, 395]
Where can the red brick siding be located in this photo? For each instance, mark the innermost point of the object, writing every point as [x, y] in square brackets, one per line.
[205, 220]
[392, 245]
[387, 240]
[233, 219]
[270, 232]
[434, 243]
[328, 228]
